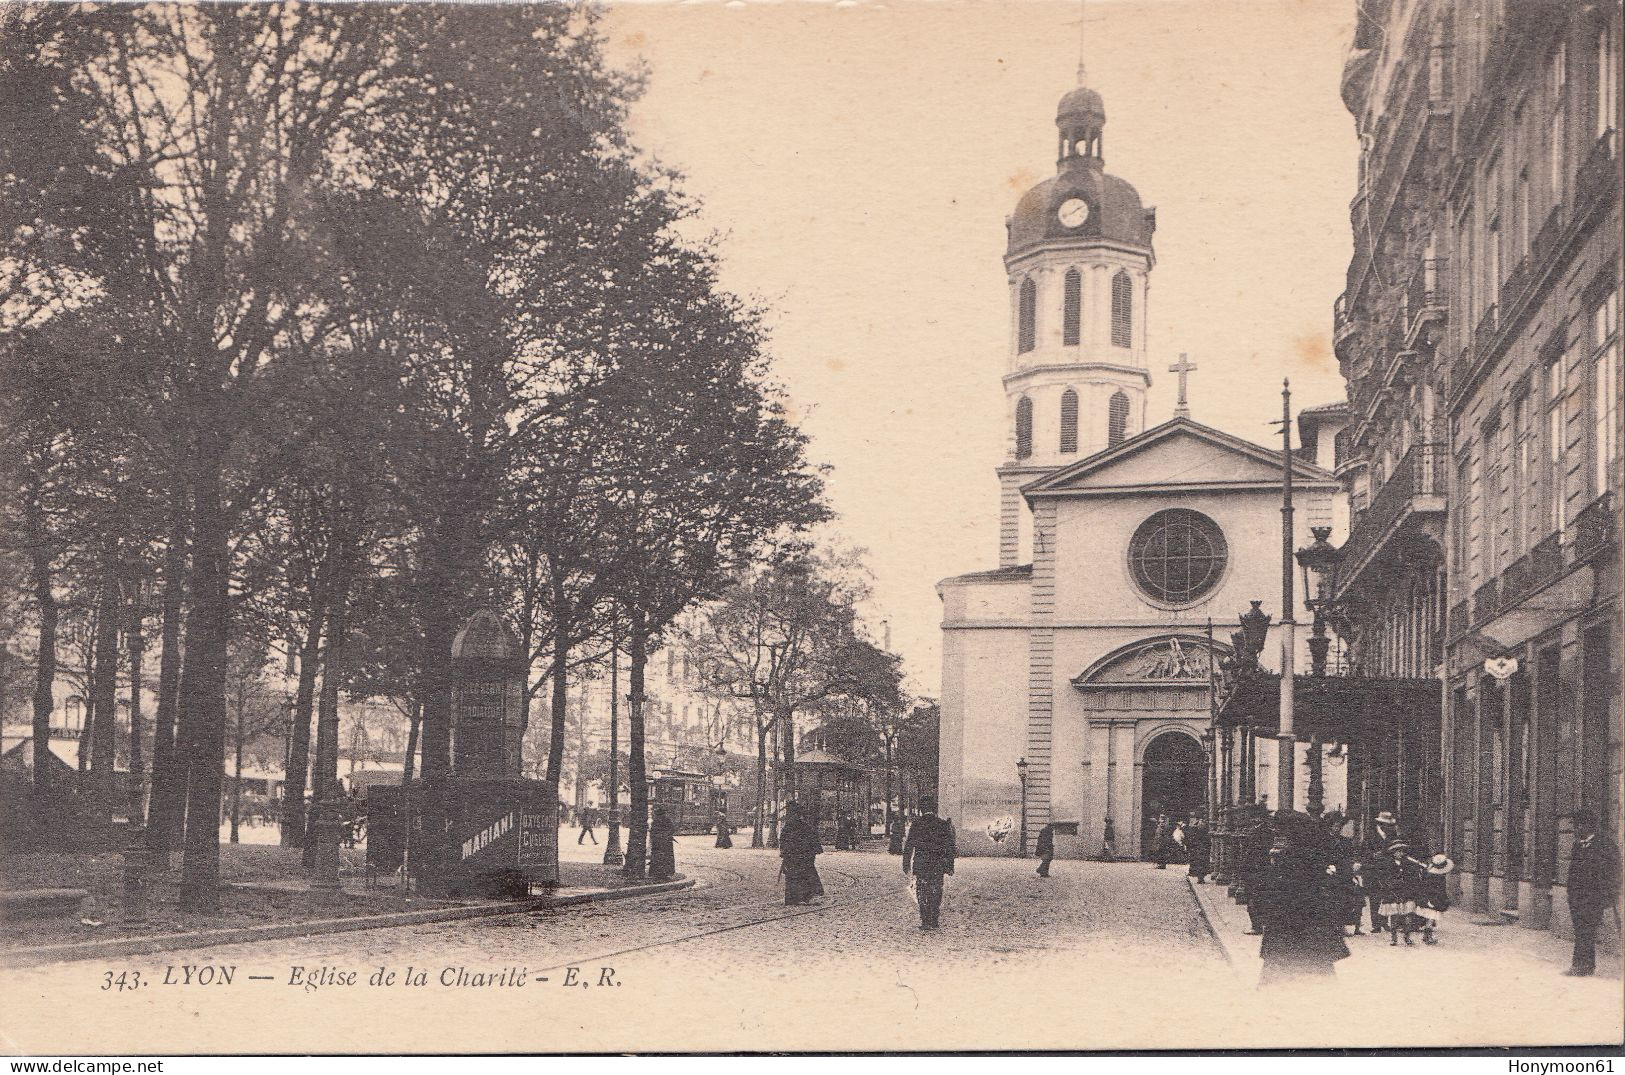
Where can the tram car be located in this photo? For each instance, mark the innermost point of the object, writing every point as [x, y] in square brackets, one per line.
[691, 800]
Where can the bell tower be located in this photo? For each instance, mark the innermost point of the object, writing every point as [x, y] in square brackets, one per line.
[1078, 261]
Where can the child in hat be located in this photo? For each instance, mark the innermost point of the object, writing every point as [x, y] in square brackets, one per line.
[1433, 896]
[1399, 884]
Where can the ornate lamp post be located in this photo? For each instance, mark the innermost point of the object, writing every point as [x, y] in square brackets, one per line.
[1318, 562]
[1255, 626]
[1021, 774]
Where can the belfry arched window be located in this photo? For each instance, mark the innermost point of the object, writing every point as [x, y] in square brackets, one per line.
[1122, 310]
[1024, 428]
[1027, 317]
[1116, 419]
[1069, 421]
[1072, 308]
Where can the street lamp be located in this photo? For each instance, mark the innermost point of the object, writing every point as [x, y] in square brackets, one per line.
[1021, 774]
[1255, 626]
[1318, 562]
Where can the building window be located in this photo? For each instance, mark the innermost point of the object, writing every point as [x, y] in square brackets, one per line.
[1024, 428]
[1072, 309]
[1465, 492]
[1069, 421]
[1607, 74]
[1116, 419]
[1495, 472]
[1521, 453]
[1558, 146]
[1122, 310]
[1551, 479]
[1027, 323]
[1605, 409]
[1177, 556]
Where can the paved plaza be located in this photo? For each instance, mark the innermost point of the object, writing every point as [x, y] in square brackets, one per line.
[1099, 956]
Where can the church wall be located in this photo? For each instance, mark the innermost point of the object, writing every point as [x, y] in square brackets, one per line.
[984, 713]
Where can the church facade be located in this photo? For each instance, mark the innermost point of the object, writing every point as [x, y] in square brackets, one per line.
[1075, 682]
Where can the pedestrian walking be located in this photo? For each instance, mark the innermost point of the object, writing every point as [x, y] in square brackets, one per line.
[1400, 883]
[1254, 859]
[1108, 842]
[1162, 842]
[894, 836]
[662, 846]
[799, 848]
[724, 833]
[589, 819]
[928, 854]
[1299, 904]
[1433, 896]
[1045, 849]
[1199, 849]
[1593, 887]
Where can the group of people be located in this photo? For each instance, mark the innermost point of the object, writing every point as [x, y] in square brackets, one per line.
[1188, 841]
[1306, 885]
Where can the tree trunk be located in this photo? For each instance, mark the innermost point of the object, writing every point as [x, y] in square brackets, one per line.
[890, 774]
[135, 642]
[237, 776]
[304, 700]
[204, 697]
[103, 740]
[761, 783]
[324, 778]
[167, 805]
[45, 667]
[415, 722]
[779, 793]
[435, 663]
[87, 669]
[637, 829]
[559, 671]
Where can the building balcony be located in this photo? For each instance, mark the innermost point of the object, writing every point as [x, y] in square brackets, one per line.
[1344, 327]
[1597, 181]
[1426, 297]
[1544, 588]
[1413, 496]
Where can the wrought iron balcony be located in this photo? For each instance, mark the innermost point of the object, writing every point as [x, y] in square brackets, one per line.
[1594, 528]
[1545, 560]
[1417, 485]
[1343, 325]
[1460, 616]
[1487, 601]
[1425, 297]
[1596, 181]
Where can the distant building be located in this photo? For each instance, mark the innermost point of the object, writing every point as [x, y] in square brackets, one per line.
[1479, 335]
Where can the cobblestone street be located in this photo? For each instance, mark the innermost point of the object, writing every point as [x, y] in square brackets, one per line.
[1098, 956]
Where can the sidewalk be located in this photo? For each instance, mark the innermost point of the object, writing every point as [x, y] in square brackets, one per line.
[1513, 975]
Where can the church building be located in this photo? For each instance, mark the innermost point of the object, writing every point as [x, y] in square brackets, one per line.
[1075, 681]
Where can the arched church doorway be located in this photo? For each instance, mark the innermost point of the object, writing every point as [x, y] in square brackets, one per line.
[1173, 781]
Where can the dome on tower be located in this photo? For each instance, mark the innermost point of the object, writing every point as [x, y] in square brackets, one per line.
[1113, 213]
[1082, 103]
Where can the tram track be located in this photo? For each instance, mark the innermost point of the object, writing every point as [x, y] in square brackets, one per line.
[778, 912]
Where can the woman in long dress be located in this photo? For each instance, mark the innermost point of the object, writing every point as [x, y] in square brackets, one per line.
[1297, 898]
[1401, 879]
[723, 839]
[798, 847]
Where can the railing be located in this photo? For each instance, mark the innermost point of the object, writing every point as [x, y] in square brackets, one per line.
[1486, 601]
[1546, 239]
[1460, 615]
[1514, 286]
[1595, 182]
[1419, 473]
[1594, 528]
[1484, 335]
[1545, 560]
[1425, 293]
[1515, 580]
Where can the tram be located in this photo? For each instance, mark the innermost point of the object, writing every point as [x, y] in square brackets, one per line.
[691, 800]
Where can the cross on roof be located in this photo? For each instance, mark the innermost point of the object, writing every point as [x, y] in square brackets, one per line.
[1183, 367]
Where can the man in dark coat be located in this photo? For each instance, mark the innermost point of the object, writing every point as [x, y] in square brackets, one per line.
[799, 847]
[1374, 864]
[1199, 849]
[1593, 887]
[589, 821]
[1252, 861]
[662, 846]
[1046, 849]
[928, 854]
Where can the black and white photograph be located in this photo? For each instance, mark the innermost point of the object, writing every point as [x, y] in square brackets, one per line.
[827, 527]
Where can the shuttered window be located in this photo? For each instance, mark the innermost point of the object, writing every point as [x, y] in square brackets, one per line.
[1024, 428]
[1122, 310]
[1027, 329]
[1072, 309]
[1069, 421]
[1116, 419]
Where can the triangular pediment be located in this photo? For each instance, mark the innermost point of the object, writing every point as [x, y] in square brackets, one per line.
[1180, 454]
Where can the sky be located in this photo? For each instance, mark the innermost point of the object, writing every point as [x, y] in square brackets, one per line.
[857, 161]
